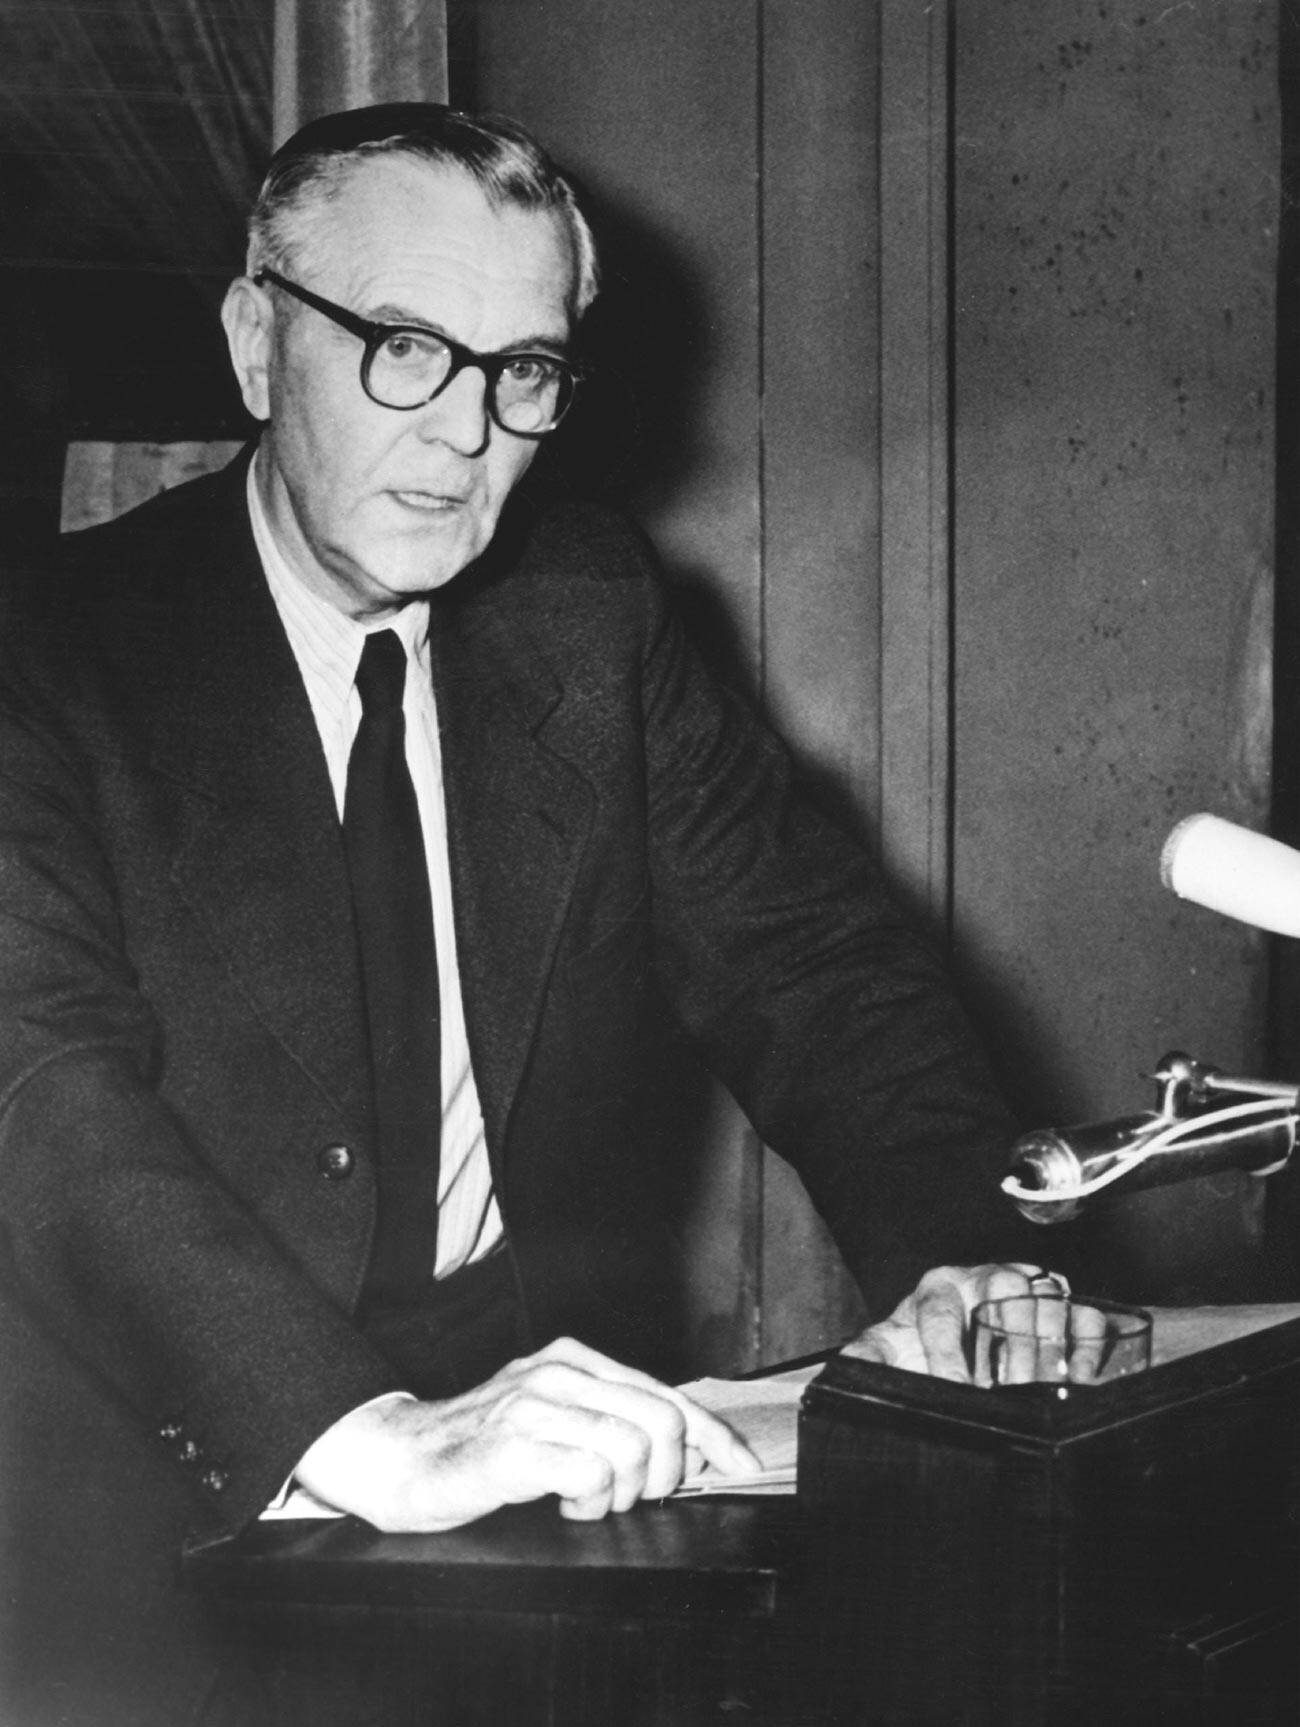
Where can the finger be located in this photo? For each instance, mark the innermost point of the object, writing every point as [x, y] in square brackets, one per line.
[1021, 1340]
[993, 1356]
[943, 1302]
[572, 1353]
[1051, 1319]
[714, 1442]
[981, 1351]
[588, 1510]
[995, 1359]
[1002, 1355]
[582, 1481]
[579, 1454]
[1050, 1283]
[1029, 1339]
[638, 1467]
[983, 1282]
[657, 1419]
[1088, 1325]
[1008, 1280]
[670, 1433]
[941, 1327]
[692, 1426]
[893, 1343]
[569, 1352]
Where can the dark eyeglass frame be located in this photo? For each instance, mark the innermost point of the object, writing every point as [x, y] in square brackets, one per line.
[375, 335]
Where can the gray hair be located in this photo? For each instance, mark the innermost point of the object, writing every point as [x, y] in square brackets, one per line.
[504, 161]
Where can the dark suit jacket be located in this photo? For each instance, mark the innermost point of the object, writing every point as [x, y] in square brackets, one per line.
[183, 1034]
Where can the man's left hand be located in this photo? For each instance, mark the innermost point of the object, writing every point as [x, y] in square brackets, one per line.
[926, 1332]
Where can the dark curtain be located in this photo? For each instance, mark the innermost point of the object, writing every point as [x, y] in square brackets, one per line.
[132, 135]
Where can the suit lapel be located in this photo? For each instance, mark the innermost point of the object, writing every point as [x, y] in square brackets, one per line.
[518, 819]
[259, 856]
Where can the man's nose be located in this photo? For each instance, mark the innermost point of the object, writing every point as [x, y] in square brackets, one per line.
[458, 416]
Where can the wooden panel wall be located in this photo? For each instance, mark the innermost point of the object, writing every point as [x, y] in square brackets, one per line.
[1115, 201]
[791, 218]
[820, 497]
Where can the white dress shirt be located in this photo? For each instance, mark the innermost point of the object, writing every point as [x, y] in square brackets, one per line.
[327, 646]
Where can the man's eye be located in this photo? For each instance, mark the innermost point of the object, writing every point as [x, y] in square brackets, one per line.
[410, 348]
[530, 370]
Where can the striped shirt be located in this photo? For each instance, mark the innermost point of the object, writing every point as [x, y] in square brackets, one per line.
[327, 646]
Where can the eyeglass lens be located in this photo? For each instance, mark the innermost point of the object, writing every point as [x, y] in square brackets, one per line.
[528, 392]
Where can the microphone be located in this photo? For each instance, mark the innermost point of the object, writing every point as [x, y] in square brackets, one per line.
[1204, 1120]
[1235, 871]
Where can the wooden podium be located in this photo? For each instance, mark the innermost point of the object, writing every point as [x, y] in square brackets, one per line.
[670, 1614]
[956, 1558]
[1025, 1556]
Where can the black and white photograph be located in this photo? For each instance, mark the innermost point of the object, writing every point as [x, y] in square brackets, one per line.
[649, 863]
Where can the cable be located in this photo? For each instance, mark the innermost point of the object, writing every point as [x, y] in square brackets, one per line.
[1174, 1134]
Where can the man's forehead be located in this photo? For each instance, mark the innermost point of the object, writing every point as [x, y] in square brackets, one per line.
[398, 213]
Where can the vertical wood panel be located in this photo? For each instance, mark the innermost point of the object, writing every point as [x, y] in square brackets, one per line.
[821, 400]
[350, 53]
[1116, 204]
[820, 490]
[915, 628]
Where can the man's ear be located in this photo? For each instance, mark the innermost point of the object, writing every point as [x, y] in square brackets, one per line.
[247, 317]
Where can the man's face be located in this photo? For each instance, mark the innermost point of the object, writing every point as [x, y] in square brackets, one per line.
[374, 505]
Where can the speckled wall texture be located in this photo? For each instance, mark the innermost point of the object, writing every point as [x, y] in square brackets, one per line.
[1116, 201]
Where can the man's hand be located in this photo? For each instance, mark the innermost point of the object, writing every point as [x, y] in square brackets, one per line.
[567, 1421]
[926, 1332]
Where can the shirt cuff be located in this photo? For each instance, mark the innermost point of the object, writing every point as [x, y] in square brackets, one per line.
[295, 1501]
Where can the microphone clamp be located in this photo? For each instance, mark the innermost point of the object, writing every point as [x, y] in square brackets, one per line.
[1204, 1121]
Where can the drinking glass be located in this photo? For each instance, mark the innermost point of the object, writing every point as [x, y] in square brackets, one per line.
[1056, 1339]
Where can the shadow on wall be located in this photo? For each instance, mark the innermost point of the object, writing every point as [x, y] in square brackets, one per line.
[645, 345]
[636, 436]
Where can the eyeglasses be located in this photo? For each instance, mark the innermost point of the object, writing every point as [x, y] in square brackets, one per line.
[404, 366]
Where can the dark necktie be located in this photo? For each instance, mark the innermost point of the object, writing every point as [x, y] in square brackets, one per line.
[399, 970]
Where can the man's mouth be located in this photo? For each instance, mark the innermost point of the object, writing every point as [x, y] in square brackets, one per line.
[431, 502]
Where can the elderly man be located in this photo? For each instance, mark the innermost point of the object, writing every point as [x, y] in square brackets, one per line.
[365, 819]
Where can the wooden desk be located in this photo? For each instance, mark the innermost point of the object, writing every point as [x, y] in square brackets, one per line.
[682, 1613]
[957, 1558]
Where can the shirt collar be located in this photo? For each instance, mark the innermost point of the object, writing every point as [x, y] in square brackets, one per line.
[334, 639]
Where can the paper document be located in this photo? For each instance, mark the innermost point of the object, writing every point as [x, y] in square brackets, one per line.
[765, 1413]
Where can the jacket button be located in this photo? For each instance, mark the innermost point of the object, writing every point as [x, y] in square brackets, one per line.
[188, 1452]
[215, 1480]
[335, 1162]
[170, 1431]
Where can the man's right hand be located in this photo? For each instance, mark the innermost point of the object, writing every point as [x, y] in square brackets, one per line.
[567, 1421]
